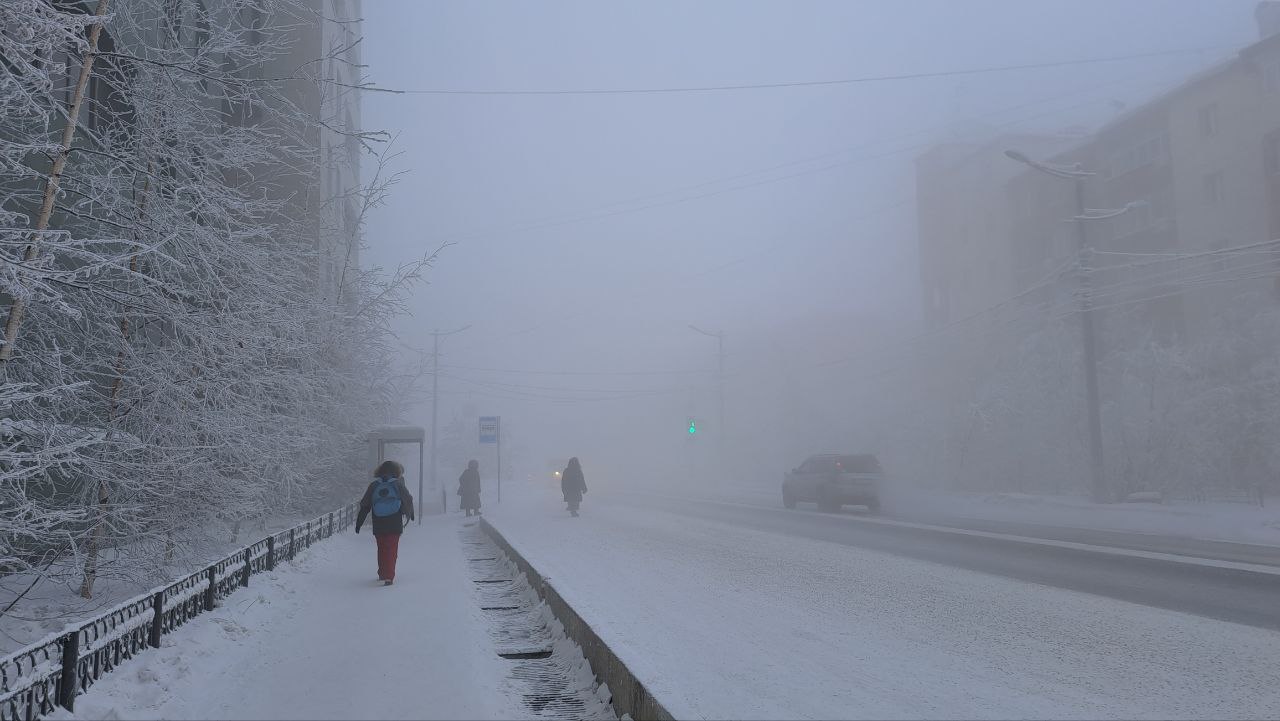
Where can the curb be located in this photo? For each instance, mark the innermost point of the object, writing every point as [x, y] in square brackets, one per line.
[630, 697]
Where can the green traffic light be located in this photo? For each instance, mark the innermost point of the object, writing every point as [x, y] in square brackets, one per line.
[693, 427]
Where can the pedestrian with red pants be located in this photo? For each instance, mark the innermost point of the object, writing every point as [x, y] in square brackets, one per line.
[390, 503]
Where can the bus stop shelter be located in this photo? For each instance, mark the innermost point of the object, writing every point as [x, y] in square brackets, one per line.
[382, 437]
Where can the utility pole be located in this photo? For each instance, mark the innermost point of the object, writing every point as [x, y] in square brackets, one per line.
[720, 430]
[1098, 487]
[435, 410]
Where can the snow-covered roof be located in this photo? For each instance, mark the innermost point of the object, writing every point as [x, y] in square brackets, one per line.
[398, 434]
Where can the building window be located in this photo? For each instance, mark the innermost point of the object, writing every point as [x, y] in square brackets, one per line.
[1271, 76]
[1141, 154]
[1209, 120]
[1213, 188]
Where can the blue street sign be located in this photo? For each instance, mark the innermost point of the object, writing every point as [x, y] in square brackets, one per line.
[489, 428]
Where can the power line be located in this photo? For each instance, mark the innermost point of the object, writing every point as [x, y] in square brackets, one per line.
[809, 83]
[520, 387]
[576, 373]
[786, 239]
[518, 392]
[620, 207]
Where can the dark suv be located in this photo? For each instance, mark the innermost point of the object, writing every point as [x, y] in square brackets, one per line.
[833, 480]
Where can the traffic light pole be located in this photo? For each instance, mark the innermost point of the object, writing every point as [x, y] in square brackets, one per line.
[720, 430]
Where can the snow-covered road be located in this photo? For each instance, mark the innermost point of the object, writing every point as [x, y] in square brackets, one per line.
[724, 621]
[319, 639]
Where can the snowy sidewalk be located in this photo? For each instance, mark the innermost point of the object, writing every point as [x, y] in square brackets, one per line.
[320, 639]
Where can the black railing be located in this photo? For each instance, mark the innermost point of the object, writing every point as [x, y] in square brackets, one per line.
[39, 678]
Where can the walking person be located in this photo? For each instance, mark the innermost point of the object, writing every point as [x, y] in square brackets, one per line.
[469, 488]
[389, 501]
[573, 485]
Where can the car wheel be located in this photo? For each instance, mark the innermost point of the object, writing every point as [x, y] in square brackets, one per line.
[788, 500]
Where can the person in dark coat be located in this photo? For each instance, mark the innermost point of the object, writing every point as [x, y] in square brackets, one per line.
[469, 488]
[573, 485]
[388, 515]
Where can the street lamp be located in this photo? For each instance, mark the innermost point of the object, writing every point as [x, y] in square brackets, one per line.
[720, 393]
[1077, 175]
[435, 405]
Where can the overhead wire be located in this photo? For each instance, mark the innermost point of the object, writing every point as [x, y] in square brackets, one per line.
[577, 373]
[525, 387]
[564, 395]
[789, 239]
[748, 185]
[615, 208]
[1213, 260]
[893, 77]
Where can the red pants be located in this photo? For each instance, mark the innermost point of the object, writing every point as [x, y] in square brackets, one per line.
[388, 550]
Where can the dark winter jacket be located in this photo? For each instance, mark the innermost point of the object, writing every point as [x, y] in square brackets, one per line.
[469, 489]
[389, 525]
[572, 484]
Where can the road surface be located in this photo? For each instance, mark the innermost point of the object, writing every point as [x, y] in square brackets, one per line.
[1224, 593]
[732, 611]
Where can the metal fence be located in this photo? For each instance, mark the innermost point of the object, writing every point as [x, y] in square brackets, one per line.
[49, 674]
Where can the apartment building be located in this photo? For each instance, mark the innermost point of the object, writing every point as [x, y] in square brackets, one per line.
[325, 69]
[968, 251]
[1195, 170]
[324, 66]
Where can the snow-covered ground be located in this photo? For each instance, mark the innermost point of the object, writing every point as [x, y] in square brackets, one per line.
[36, 607]
[319, 638]
[1216, 521]
[724, 622]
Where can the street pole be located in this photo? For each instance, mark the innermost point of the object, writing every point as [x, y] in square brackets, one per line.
[1099, 484]
[435, 411]
[435, 396]
[1098, 488]
[720, 465]
[499, 449]
[720, 429]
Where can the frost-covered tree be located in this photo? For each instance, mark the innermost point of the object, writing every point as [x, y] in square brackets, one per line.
[174, 332]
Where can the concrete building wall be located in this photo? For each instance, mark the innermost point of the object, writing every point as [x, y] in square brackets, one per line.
[324, 58]
[969, 256]
[1200, 168]
[1218, 127]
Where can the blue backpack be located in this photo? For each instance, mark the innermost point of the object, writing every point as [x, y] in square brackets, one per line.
[386, 497]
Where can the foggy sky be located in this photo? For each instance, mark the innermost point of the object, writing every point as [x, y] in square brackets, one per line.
[824, 254]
